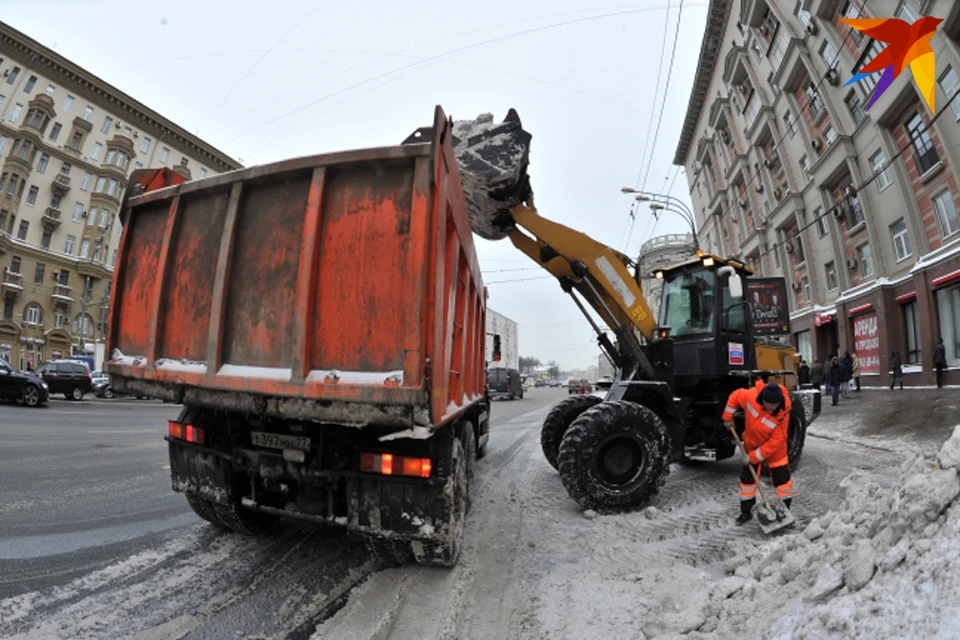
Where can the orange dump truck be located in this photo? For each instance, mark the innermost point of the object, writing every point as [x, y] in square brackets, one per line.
[322, 322]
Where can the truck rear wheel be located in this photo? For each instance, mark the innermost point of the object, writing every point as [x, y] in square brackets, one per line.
[203, 508]
[615, 456]
[246, 521]
[445, 552]
[559, 420]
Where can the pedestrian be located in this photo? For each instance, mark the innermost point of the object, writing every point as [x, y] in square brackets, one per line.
[939, 361]
[836, 379]
[856, 370]
[896, 368]
[803, 372]
[827, 381]
[846, 373]
[766, 409]
[816, 374]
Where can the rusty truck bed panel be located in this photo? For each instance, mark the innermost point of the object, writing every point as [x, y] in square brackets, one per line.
[306, 285]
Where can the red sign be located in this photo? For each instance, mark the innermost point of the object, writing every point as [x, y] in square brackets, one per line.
[866, 342]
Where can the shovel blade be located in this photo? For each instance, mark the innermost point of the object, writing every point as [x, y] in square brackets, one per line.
[777, 517]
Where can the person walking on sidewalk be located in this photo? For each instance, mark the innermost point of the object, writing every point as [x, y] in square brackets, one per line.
[835, 379]
[816, 374]
[856, 370]
[846, 373]
[803, 372]
[896, 368]
[766, 409]
[939, 361]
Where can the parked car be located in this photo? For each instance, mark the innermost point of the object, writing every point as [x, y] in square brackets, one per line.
[578, 385]
[21, 386]
[103, 386]
[505, 383]
[72, 378]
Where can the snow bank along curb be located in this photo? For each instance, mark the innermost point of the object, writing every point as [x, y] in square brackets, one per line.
[882, 565]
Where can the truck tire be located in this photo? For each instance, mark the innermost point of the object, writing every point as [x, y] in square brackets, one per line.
[615, 456]
[391, 553]
[796, 437]
[446, 552]
[242, 520]
[470, 458]
[559, 420]
[203, 508]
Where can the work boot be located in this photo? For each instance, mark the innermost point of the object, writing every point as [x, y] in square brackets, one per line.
[744, 517]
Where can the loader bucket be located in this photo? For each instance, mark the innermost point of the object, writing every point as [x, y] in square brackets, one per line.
[493, 160]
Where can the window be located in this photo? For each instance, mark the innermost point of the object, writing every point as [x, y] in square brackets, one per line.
[821, 221]
[50, 89]
[15, 264]
[164, 154]
[112, 187]
[831, 272]
[948, 308]
[13, 75]
[113, 262]
[814, 101]
[3, 143]
[96, 258]
[55, 201]
[76, 140]
[144, 144]
[85, 183]
[901, 239]
[878, 163]
[104, 216]
[805, 284]
[184, 162]
[42, 164]
[92, 216]
[47, 236]
[830, 135]
[68, 247]
[32, 195]
[60, 317]
[924, 151]
[107, 123]
[87, 112]
[22, 231]
[128, 132]
[912, 326]
[849, 10]
[807, 169]
[946, 213]
[38, 273]
[31, 83]
[97, 150]
[33, 314]
[950, 84]
[790, 123]
[829, 54]
[101, 182]
[15, 114]
[865, 258]
[67, 103]
[855, 108]
[85, 248]
[203, 173]
[11, 187]
[3, 221]
[8, 309]
[111, 157]
[798, 249]
[907, 13]
[756, 48]
[854, 208]
[55, 131]
[65, 169]
[77, 211]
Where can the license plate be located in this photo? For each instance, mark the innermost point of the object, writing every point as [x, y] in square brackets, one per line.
[278, 441]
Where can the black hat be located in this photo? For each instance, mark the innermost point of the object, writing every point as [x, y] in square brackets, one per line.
[772, 393]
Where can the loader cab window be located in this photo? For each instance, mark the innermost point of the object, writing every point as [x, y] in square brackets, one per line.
[688, 305]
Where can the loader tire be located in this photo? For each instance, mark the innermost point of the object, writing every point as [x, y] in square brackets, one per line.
[796, 437]
[559, 420]
[445, 551]
[245, 521]
[615, 457]
[203, 508]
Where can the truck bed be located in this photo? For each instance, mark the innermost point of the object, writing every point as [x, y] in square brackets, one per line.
[341, 288]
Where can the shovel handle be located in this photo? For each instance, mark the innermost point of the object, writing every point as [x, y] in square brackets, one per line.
[756, 476]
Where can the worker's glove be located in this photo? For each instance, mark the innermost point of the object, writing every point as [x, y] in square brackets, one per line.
[746, 459]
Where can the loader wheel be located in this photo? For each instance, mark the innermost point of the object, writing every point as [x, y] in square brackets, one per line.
[559, 420]
[615, 456]
[796, 437]
[243, 520]
[203, 508]
[445, 552]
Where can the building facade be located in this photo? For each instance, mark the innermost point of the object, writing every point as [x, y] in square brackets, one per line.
[501, 325]
[657, 253]
[856, 209]
[68, 144]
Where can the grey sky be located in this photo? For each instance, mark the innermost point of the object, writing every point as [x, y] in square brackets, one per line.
[363, 74]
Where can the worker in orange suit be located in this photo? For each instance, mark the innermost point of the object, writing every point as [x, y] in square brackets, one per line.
[767, 411]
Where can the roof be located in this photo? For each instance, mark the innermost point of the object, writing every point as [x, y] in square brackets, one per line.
[709, 55]
[53, 64]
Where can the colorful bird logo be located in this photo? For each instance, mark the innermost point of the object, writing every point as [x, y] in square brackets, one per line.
[908, 44]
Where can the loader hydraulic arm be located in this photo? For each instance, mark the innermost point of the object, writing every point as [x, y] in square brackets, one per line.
[594, 271]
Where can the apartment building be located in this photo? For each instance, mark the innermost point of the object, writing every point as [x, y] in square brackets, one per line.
[68, 144]
[789, 172]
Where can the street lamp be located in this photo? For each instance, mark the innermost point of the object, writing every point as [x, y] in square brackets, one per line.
[656, 206]
[644, 196]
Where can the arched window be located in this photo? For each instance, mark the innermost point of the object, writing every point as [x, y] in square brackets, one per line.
[83, 324]
[33, 314]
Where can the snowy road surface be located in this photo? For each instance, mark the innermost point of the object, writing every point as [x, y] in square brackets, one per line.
[93, 544]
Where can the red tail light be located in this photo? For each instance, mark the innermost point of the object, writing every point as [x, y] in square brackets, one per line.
[186, 432]
[389, 464]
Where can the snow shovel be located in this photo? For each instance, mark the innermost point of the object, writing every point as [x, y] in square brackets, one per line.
[774, 515]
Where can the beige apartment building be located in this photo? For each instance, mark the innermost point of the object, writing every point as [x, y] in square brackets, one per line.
[789, 172]
[68, 144]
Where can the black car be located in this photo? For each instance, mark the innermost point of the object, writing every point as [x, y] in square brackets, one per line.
[505, 383]
[69, 377]
[23, 387]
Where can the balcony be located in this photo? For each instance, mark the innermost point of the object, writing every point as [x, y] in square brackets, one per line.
[61, 184]
[62, 294]
[51, 218]
[12, 281]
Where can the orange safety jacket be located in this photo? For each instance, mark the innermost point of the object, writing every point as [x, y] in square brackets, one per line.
[765, 435]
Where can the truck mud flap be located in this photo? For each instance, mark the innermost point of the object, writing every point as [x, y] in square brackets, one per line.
[404, 510]
[199, 472]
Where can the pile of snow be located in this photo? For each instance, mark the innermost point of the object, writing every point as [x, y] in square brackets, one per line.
[885, 564]
[117, 357]
[493, 161]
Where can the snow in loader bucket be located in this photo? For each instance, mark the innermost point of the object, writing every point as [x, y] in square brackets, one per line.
[493, 160]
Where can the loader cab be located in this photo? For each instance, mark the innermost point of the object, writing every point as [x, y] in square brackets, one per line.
[706, 314]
